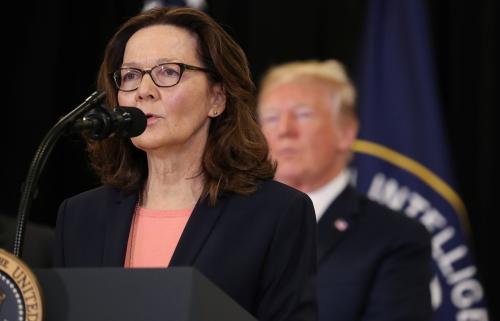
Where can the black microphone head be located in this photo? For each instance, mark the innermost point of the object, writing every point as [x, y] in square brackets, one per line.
[133, 123]
[96, 123]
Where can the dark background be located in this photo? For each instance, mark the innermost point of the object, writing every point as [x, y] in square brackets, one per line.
[53, 50]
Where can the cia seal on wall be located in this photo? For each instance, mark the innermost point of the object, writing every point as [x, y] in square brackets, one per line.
[20, 293]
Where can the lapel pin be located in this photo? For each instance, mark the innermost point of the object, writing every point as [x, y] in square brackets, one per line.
[340, 224]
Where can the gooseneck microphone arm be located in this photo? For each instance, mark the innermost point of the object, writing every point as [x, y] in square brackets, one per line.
[38, 163]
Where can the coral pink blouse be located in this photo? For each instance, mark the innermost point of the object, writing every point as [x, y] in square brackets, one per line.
[153, 237]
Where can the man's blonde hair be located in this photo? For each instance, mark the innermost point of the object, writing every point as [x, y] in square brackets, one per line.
[329, 71]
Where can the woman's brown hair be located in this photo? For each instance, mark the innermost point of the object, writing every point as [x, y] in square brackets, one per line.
[235, 158]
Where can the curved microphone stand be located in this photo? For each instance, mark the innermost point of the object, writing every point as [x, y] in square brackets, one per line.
[38, 163]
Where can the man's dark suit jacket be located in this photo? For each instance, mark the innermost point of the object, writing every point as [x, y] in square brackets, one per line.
[374, 263]
[38, 246]
[260, 249]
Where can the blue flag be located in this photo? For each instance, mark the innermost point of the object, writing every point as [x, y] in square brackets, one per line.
[401, 156]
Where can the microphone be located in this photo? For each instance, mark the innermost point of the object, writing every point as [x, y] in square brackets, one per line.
[100, 122]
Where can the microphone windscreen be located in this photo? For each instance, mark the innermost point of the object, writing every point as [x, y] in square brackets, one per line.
[137, 121]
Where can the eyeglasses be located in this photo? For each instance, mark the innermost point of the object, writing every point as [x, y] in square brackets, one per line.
[163, 75]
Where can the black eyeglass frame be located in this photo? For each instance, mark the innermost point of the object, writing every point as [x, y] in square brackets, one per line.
[117, 74]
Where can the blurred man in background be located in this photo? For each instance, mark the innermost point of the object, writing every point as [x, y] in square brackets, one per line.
[374, 263]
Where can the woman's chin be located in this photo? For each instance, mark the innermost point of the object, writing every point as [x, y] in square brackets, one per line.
[145, 142]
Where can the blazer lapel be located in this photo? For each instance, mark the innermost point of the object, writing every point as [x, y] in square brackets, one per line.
[339, 220]
[118, 221]
[196, 232]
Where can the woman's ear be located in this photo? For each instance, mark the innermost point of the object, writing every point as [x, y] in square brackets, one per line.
[217, 100]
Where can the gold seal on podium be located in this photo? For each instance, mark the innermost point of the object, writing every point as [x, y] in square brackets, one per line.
[20, 292]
